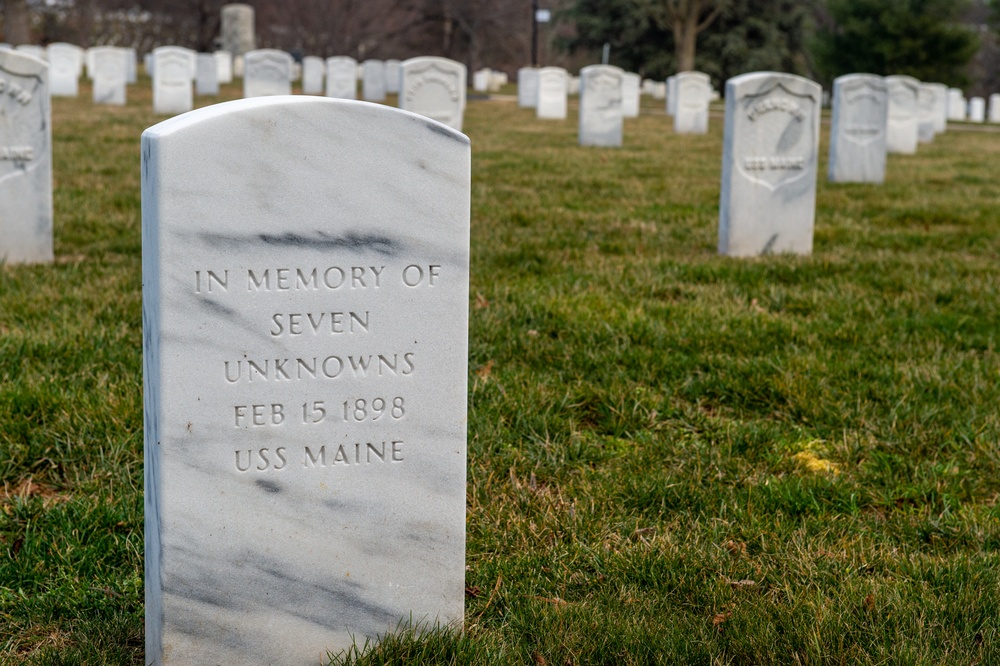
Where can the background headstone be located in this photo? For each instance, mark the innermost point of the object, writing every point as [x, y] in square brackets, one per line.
[312, 75]
[902, 130]
[172, 89]
[25, 160]
[527, 87]
[110, 74]
[392, 75]
[237, 32]
[552, 102]
[341, 77]
[34, 51]
[601, 105]
[858, 129]
[941, 115]
[207, 80]
[434, 87]
[769, 164]
[691, 92]
[994, 113]
[267, 72]
[131, 65]
[223, 66]
[977, 110]
[928, 106]
[631, 96]
[278, 525]
[956, 104]
[373, 82]
[64, 69]
[481, 80]
[671, 94]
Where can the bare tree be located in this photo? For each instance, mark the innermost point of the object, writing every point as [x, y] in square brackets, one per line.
[686, 19]
[16, 25]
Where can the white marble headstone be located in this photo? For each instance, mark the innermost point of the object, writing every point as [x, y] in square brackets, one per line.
[670, 94]
[631, 96]
[305, 319]
[172, 79]
[692, 91]
[956, 104]
[392, 74]
[928, 106]
[858, 129]
[659, 91]
[977, 110]
[527, 87]
[341, 77]
[207, 79]
[110, 74]
[552, 102]
[25, 159]
[267, 72]
[223, 66]
[481, 80]
[64, 69]
[373, 81]
[941, 114]
[902, 130]
[434, 87]
[312, 75]
[994, 111]
[131, 65]
[34, 51]
[601, 105]
[769, 164]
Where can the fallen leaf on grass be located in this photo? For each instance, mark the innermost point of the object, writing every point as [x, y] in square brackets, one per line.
[870, 602]
[533, 333]
[735, 547]
[481, 302]
[540, 660]
[813, 463]
[472, 592]
[484, 371]
[744, 584]
[720, 618]
[555, 601]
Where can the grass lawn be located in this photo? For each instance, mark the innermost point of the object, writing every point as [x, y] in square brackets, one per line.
[674, 457]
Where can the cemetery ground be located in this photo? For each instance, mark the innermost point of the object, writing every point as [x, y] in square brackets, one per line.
[674, 457]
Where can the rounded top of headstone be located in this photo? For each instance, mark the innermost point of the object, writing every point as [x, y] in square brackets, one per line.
[22, 63]
[258, 106]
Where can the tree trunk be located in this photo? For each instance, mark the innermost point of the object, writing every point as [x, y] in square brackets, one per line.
[16, 22]
[685, 38]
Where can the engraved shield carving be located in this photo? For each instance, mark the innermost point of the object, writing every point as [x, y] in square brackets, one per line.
[775, 136]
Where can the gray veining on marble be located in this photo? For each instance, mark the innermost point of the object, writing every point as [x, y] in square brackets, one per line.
[267, 72]
[858, 129]
[552, 93]
[305, 347]
[601, 105]
[25, 160]
[341, 77]
[769, 164]
[434, 87]
[904, 122]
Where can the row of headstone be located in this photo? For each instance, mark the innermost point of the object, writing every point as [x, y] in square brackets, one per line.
[488, 80]
[546, 89]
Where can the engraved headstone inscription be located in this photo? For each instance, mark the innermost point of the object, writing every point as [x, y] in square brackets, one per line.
[207, 80]
[527, 87]
[267, 72]
[305, 321]
[373, 81]
[601, 100]
[692, 91]
[312, 75]
[173, 69]
[552, 93]
[109, 72]
[769, 163]
[902, 130]
[434, 87]
[341, 77]
[858, 129]
[25, 160]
